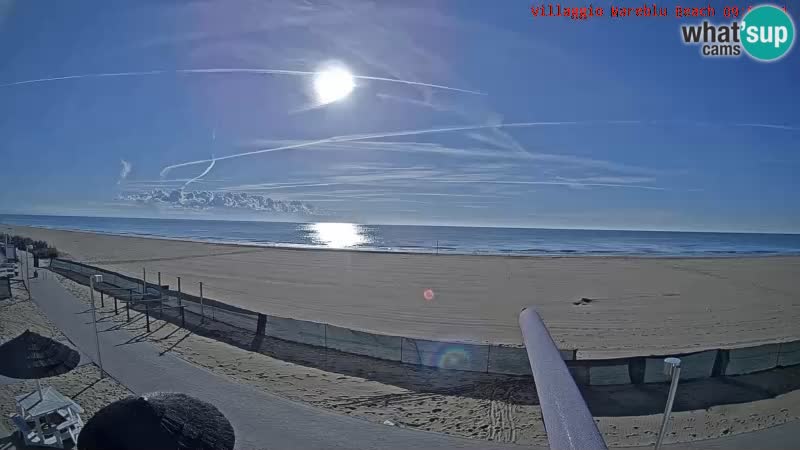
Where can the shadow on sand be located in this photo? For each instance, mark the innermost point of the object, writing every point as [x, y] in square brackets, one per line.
[603, 401]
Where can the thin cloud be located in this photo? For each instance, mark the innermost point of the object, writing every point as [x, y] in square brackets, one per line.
[610, 179]
[419, 132]
[124, 171]
[768, 125]
[473, 206]
[276, 186]
[421, 103]
[173, 180]
[555, 183]
[360, 137]
[427, 147]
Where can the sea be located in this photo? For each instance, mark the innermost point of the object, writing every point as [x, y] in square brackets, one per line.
[431, 239]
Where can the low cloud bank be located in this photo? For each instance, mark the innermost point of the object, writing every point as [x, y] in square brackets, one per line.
[224, 200]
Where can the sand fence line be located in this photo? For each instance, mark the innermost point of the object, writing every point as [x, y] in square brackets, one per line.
[227, 322]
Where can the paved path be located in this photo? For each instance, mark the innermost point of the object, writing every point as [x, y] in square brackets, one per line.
[261, 420]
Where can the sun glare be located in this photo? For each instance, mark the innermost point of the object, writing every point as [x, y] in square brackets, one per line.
[333, 84]
[337, 235]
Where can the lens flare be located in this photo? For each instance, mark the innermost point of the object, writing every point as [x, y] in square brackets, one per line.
[448, 356]
[428, 295]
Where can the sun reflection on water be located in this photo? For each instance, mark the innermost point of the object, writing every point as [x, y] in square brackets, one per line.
[337, 235]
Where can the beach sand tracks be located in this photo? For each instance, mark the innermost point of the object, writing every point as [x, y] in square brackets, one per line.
[174, 258]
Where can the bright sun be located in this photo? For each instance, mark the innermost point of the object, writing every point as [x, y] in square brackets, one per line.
[333, 84]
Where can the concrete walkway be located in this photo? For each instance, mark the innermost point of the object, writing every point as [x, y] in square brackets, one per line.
[261, 420]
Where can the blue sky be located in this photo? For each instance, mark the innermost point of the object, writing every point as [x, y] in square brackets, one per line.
[618, 124]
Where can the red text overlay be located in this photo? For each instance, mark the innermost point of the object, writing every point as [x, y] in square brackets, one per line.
[645, 10]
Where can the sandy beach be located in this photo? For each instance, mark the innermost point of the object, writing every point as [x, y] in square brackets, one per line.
[634, 306]
[469, 404]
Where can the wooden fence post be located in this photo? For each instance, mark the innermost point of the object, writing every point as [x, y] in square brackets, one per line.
[262, 325]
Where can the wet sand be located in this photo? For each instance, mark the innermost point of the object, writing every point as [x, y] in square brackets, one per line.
[631, 306]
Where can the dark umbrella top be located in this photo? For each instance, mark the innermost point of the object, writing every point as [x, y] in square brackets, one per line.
[32, 355]
[158, 421]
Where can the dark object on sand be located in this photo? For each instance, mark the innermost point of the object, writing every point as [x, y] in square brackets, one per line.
[33, 356]
[158, 421]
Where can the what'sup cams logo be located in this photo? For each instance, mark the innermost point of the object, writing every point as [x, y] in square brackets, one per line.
[765, 33]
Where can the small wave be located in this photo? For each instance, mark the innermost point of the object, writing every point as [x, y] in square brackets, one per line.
[521, 242]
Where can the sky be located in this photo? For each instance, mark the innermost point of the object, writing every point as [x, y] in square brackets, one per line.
[462, 113]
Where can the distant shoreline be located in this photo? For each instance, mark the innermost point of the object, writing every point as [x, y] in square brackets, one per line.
[461, 247]
[182, 219]
[430, 251]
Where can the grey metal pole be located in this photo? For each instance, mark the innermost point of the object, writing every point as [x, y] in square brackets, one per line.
[92, 280]
[179, 291]
[569, 424]
[202, 311]
[144, 280]
[672, 366]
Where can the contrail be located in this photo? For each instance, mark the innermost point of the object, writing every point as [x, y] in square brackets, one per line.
[89, 75]
[205, 172]
[234, 70]
[768, 125]
[361, 137]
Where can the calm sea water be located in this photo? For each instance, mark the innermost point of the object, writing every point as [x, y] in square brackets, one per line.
[427, 239]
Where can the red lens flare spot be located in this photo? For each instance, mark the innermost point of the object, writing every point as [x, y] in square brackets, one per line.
[428, 295]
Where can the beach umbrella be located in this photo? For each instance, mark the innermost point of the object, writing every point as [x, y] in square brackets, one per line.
[33, 356]
[157, 421]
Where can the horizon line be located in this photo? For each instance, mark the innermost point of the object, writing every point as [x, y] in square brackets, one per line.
[398, 224]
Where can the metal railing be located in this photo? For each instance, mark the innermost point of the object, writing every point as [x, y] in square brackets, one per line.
[567, 419]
